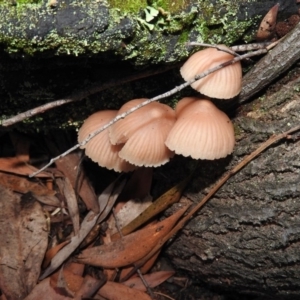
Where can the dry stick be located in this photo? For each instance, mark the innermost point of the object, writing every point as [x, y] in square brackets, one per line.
[237, 48]
[273, 139]
[164, 95]
[227, 50]
[80, 95]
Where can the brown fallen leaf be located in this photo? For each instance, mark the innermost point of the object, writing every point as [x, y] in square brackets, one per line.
[267, 26]
[153, 280]
[48, 293]
[67, 190]
[66, 283]
[129, 271]
[68, 166]
[23, 243]
[52, 252]
[159, 205]
[118, 291]
[89, 287]
[75, 268]
[128, 212]
[130, 248]
[24, 185]
[15, 166]
[86, 226]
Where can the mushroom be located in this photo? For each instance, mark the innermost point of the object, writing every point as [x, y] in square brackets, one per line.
[201, 131]
[224, 83]
[99, 148]
[144, 133]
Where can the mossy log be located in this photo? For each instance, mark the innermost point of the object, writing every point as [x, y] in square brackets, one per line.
[56, 49]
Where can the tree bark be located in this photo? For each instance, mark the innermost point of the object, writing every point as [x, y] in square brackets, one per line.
[246, 239]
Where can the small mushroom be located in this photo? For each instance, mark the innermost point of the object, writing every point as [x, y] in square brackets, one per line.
[201, 131]
[225, 83]
[99, 149]
[144, 133]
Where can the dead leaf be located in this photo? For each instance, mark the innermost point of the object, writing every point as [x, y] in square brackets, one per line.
[52, 252]
[65, 283]
[15, 166]
[22, 245]
[75, 268]
[87, 224]
[68, 166]
[25, 185]
[129, 211]
[130, 271]
[267, 26]
[71, 200]
[89, 287]
[44, 288]
[117, 291]
[153, 280]
[159, 205]
[108, 205]
[130, 248]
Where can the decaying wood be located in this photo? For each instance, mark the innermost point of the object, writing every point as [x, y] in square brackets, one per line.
[246, 238]
[274, 64]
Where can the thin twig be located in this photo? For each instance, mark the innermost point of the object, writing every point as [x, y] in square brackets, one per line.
[229, 50]
[80, 95]
[162, 96]
[164, 295]
[237, 48]
[273, 139]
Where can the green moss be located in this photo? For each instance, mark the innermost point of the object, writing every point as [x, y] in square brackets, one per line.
[16, 2]
[172, 6]
[219, 23]
[158, 39]
[128, 5]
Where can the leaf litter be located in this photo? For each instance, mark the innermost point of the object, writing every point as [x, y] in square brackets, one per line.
[48, 237]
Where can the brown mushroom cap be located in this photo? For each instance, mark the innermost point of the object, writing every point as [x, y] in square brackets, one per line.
[224, 83]
[201, 131]
[144, 133]
[123, 129]
[99, 148]
[146, 147]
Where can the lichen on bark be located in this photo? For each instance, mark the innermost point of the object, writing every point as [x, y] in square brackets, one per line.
[77, 27]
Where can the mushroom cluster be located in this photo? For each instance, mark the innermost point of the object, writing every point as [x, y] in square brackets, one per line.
[135, 141]
[151, 135]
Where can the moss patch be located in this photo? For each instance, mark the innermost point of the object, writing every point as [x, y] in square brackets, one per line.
[128, 5]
